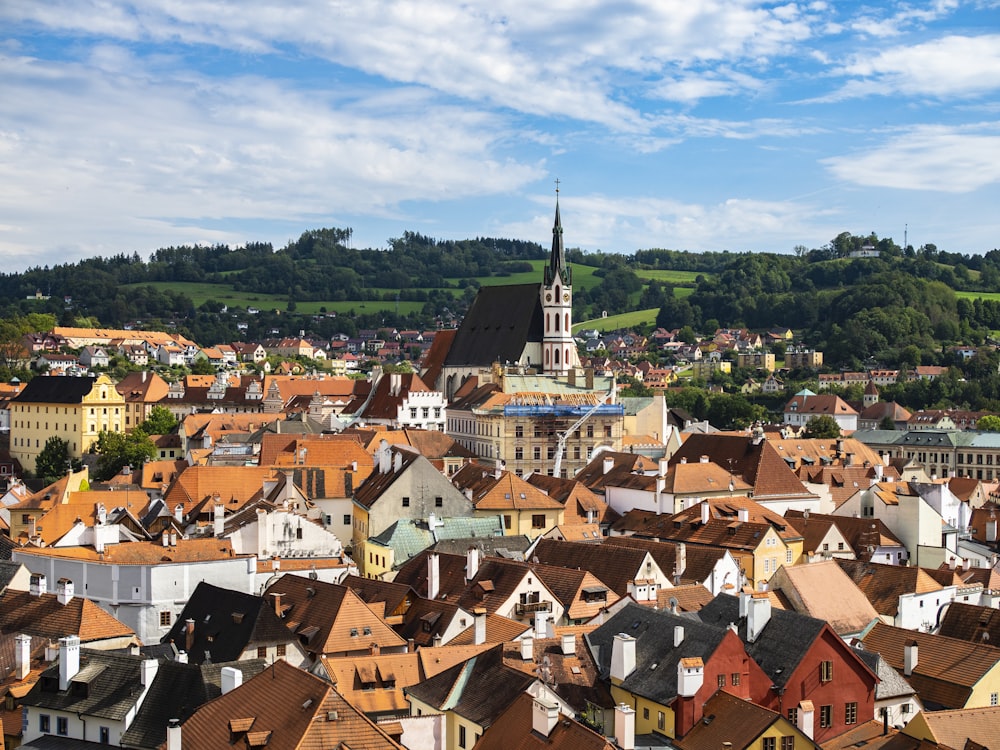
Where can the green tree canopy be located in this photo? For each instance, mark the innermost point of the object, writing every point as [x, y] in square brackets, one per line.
[159, 422]
[823, 426]
[53, 461]
[117, 450]
[989, 423]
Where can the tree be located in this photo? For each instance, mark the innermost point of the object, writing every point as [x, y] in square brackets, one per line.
[887, 423]
[823, 426]
[989, 423]
[118, 450]
[159, 422]
[53, 461]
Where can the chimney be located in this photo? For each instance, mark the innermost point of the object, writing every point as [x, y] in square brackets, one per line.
[991, 530]
[622, 657]
[433, 575]
[664, 466]
[706, 512]
[690, 676]
[384, 458]
[179, 513]
[101, 513]
[218, 520]
[544, 716]
[173, 537]
[680, 560]
[806, 717]
[182, 657]
[147, 671]
[31, 527]
[69, 660]
[174, 735]
[479, 626]
[966, 563]
[527, 648]
[498, 469]
[64, 591]
[909, 657]
[542, 625]
[744, 603]
[625, 726]
[231, 678]
[436, 640]
[22, 656]
[703, 459]
[165, 536]
[471, 563]
[743, 514]
[758, 615]
[276, 600]
[37, 585]
[609, 464]
[569, 644]
[678, 635]
[188, 634]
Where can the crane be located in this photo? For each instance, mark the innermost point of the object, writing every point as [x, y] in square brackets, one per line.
[565, 436]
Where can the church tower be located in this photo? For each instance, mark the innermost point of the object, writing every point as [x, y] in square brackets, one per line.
[559, 353]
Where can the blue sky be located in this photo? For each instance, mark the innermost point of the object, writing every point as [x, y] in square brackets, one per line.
[692, 125]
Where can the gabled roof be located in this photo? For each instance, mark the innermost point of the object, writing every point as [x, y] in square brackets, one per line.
[144, 553]
[883, 584]
[824, 591]
[329, 618]
[44, 616]
[610, 467]
[656, 657]
[735, 723]
[955, 728]
[699, 561]
[614, 565]
[499, 629]
[971, 622]
[223, 624]
[195, 487]
[574, 676]
[378, 481]
[478, 690]
[947, 669]
[504, 492]
[512, 730]
[497, 325]
[286, 709]
[374, 684]
[577, 499]
[55, 390]
[176, 693]
[860, 533]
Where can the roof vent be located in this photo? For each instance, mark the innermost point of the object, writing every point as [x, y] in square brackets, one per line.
[331, 715]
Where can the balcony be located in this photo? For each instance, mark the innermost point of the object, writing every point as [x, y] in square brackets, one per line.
[529, 608]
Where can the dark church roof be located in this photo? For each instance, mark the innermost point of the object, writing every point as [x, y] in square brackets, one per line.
[500, 321]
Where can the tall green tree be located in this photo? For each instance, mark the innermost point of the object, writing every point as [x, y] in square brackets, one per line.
[53, 461]
[823, 426]
[117, 450]
[159, 422]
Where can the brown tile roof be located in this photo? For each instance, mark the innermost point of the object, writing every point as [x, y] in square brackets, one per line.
[860, 533]
[954, 728]
[871, 735]
[576, 498]
[574, 676]
[285, 449]
[814, 452]
[144, 553]
[156, 474]
[378, 482]
[374, 684]
[435, 660]
[883, 584]
[195, 487]
[733, 720]
[689, 597]
[615, 565]
[512, 730]
[329, 618]
[971, 622]
[594, 477]
[700, 561]
[287, 709]
[44, 616]
[947, 669]
[508, 491]
[499, 629]
[728, 508]
[823, 590]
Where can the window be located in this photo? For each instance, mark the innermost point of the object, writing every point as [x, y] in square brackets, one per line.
[538, 521]
[406, 502]
[660, 720]
[536, 452]
[721, 680]
[850, 713]
[438, 502]
[519, 454]
[793, 716]
[262, 652]
[788, 742]
[905, 708]
[281, 649]
[734, 679]
[826, 716]
[825, 671]
[993, 699]
[165, 618]
[768, 743]
[590, 430]
[788, 556]
[506, 522]
[62, 725]
[461, 736]
[519, 431]
[645, 713]
[105, 735]
[43, 723]
[347, 519]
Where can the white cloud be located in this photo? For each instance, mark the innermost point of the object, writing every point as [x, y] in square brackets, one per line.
[928, 157]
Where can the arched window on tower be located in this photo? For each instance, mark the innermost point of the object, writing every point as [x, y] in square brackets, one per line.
[557, 356]
[557, 321]
[547, 321]
[567, 321]
[557, 293]
[546, 357]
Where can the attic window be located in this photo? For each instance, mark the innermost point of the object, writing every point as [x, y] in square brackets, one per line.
[367, 630]
[354, 632]
[237, 617]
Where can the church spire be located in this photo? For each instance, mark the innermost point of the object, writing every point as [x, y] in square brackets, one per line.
[557, 268]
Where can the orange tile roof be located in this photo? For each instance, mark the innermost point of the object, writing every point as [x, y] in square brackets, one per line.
[46, 617]
[235, 485]
[506, 492]
[144, 553]
[499, 629]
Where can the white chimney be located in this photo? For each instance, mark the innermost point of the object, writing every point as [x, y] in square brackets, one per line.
[527, 648]
[384, 458]
[609, 464]
[664, 466]
[218, 520]
[544, 716]
[991, 530]
[232, 678]
[690, 676]
[758, 615]
[69, 660]
[174, 735]
[743, 514]
[147, 671]
[498, 469]
[173, 537]
[625, 726]
[37, 585]
[678, 635]
[744, 603]
[569, 644]
[805, 718]
[680, 559]
[101, 513]
[165, 536]
[64, 591]
[181, 658]
[910, 656]
[479, 626]
[541, 625]
[22, 656]
[706, 512]
[179, 513]
[471, 563]
[433, 575]
[622, 657]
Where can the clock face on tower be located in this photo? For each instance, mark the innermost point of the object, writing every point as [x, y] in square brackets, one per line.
[548, 297]
[565, 296]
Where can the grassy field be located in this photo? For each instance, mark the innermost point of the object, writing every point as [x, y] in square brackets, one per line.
[677, 278]
[625, 320]
[583, 276]
[994, 296]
